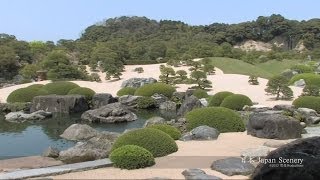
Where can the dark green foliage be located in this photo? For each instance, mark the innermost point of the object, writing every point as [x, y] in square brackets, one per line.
[310, 79]
[95, 77]
[87, 92]
[217, 98]
[25, 94]
[151, 89]
[146, 103]
[167, 74]
[131, 157]
[181, 76]
[302, 68]
[223, 119]
[278, 85]
[126, 91]
[139, 70]
[200, 93]
[310, 102]
[200, 78]
[253, 80]
[60, 87]
[311, 90]
[153, 140]
[170, 130]
[236, 102]
[36, 86]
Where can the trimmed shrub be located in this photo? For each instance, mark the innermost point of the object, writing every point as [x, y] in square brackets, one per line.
[170, 130]
[25, 94]
[36, 86]
[155, 141]
[223, 119]
[87, 92]
[60, 87]
[310, 102]
[151, 89]
[146, 103]
[236, 102]
[302, 68]
[309, 78]
[126, 91]
[131, 157]
[200, 93]
[217, 99]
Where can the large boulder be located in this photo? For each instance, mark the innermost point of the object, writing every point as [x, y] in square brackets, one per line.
[168, 106]
[60, 103]
[129, 100]
[299, 159]
[201, 133]
[189, 104]
[79, 132]
[159, 99]
[273, 126]
[283, 107]
[14, 107]
[197, 174]
[19, 117]
[204, 102]
[137, 82]
[51, 152]
[310, 116]
[154, 120]
[111, 113]
[233, 166]
[102, 99]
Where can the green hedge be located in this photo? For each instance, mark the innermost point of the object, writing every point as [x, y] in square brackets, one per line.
[236, 102]
[155, 141]
[223, 119]
[60, 87]
[151, 89]
[36, 86]
[302, 68]
[217, 98]
[170, 130]
[25, 94]
[146, 103]
[200, 93]
[309, 78]
[126, 91]
[87, 92]
[310, 102]
[131, 157]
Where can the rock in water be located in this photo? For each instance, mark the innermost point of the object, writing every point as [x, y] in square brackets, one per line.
[137, 82]
[129, 100]
[232, 166]
[102, 99]
[111, 113]
[60, 104]
[154, 120]
[20, 116]
[273, 126]
[79, 132]
[307, 150]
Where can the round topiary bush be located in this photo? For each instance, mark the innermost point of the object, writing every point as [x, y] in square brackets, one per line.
[146, 103]
[131, 157]
[87, 92]
[217, 98]
[36, 86]
[223, 119]
[25, 94]
[155, 141]
[236, 102]
[126, 91]
[60, 87]
[310, 102]
[200, 93]
[151, 89]
[309, 78]
[170, 130]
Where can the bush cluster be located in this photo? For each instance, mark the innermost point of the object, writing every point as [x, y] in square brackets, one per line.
[223, 119]
[26, 94]
[310, 102]
[309, 78]
[86, 92]
[236, 102]
[151, 89]
[217, 98]
[126, 91]
[153, 140]
[200, 93]
[60, 87]
[146, 103]
[170, 130]
[131, 157]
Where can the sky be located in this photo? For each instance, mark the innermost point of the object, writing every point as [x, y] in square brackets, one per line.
[66, 19]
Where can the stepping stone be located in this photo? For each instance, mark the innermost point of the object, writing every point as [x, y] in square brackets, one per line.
[233, 166]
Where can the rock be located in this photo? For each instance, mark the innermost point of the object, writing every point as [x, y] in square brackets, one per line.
[311, 132]
[111, 113]
[307, 150]
[258, 108]
[273, 126]
[195, 174]
[255, 153]
[204, 102]
[79, 132]
[232, 166]
[189, 104]
[201, 133]
[137, 82]
[102, 99]
[60, 104]
[129, 100]
[289, 73]
[20, 116]
[307, 112]
[168, 106]
[299, 83]
[189, 93]
[309, 116]
[303, 124]
[154, 120]
[14, 107]
[178, 96]
[51, 152]
[276, 143]
[94, 148]
[283, 107]
[181, 124]
[159, 99]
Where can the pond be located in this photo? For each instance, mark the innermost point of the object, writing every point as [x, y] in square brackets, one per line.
[32, 138]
